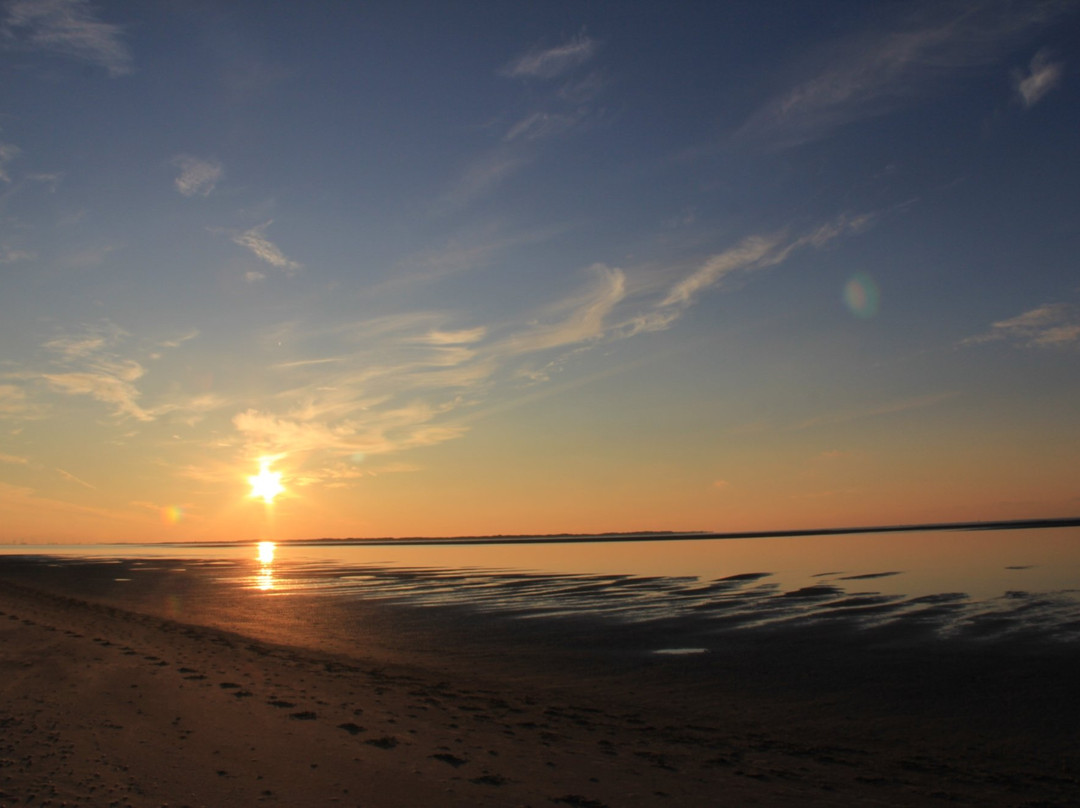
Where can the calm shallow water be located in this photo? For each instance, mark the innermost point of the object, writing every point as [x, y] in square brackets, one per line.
[975, 584]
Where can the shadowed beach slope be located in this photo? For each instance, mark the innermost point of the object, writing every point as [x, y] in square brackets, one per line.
[142, 687]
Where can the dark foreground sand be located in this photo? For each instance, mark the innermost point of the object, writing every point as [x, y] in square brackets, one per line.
[112, 696]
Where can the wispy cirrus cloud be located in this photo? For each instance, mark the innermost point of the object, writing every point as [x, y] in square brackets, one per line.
[1052, 325]
[67, 475]
[347, 394]
[483, 175]
[92, 369]
[1041, 76]
[8, 152]
[574, 321]
[403, 381]
[568, 103]
[13, 401]
[544, 124]
[464, 252]
[549, 63]
[20, 499]
[877, 410]
[91, 363]
[560, 100]
[391, 430]
[88, 341]
[68, 28]
[198, 177]
[753, 254]
[883, 70]
[262, 248]
[9, 255]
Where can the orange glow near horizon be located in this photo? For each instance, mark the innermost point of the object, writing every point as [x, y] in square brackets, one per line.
[266, 484]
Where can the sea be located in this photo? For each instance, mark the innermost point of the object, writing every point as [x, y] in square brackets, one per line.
[976, 584]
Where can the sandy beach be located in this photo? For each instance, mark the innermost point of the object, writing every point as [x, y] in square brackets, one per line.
[111, 695]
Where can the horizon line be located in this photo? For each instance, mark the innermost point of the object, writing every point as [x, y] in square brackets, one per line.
[629, 536]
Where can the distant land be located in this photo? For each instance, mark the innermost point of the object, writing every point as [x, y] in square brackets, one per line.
[661, 535]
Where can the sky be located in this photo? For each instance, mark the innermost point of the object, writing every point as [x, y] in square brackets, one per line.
[480, 269]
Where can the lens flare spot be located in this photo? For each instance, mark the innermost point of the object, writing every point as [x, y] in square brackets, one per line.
[172, 514]
[862, 296]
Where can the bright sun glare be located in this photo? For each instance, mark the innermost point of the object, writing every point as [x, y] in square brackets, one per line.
[266, 484]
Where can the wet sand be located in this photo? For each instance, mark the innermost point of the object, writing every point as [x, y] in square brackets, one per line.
[160, 689]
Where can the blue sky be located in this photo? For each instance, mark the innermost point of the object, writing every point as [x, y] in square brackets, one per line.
[581, 266]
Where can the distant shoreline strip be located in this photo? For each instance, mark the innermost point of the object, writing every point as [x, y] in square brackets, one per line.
[601, 538]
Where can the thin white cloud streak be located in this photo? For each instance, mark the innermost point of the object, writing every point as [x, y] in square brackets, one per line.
[883, 71]
[888, 408]
[91, 340]
[256, 241]
[1052, 325]
[397, 429]
[1042, 76]
[51, 181]
[575, 321]
[104, 386]
[9, 255]
[14, 460]
[752, 254]
[14, 402]
[561, 110]
[69, 28]
[540, 125]
[23, 499]
[178, 341]
[463, 253]
[88, 257]
[552, 62]
[90, 365]
[67, 475]
[198, 177]
[483, 176]
[8, 152]
[462, 337]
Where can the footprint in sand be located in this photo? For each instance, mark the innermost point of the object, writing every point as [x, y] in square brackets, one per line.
[452, 760]
[386, 742]
[578, 801]
[489, 780]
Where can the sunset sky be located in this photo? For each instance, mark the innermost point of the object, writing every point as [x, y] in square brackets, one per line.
[528, 268]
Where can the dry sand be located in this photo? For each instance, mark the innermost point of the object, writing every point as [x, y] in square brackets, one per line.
[107, 701]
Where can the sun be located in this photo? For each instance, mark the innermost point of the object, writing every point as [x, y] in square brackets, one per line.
[266, 484]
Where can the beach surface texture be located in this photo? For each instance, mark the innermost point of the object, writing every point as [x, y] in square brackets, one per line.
[150, 688]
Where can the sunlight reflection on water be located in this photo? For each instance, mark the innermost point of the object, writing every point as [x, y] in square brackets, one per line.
[976, 583]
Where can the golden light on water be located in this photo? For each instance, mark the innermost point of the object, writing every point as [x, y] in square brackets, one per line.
[266, 484]
[266, 552]
[265, 578]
